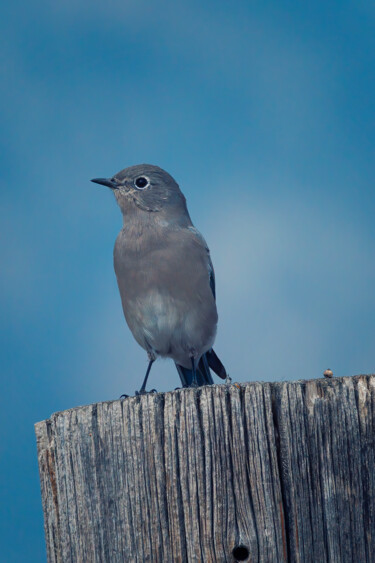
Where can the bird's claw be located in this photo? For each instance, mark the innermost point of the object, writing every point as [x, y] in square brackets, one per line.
[228, 380]
[124, 396]
[138, 393]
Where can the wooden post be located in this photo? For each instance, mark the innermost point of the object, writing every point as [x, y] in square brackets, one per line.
[260, 472]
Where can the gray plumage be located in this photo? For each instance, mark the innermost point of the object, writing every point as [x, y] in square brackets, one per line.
[164, 273]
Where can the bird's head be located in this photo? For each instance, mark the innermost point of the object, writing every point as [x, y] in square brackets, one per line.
[147, 188]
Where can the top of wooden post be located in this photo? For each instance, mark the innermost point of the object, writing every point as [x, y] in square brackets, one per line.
[250, 472]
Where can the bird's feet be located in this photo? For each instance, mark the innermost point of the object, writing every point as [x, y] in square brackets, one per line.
[138, 393]
[144, 392]
[228, 380]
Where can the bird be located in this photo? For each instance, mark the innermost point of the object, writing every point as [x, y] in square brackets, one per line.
[165, 275]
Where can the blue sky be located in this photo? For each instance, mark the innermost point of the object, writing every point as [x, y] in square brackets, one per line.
[264, 114]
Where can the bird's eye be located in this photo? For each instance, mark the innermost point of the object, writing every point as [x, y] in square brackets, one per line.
[141, 182]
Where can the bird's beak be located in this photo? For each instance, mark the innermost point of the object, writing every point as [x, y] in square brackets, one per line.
[106, 182]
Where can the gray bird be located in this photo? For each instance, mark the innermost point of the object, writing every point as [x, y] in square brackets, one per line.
[164, 274]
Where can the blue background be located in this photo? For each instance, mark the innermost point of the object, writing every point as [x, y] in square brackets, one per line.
[263, 111]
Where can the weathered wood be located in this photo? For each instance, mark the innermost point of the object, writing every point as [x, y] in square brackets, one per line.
[286, 470]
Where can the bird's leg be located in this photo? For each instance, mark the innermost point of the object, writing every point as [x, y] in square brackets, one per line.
[142, 390]
[194, 382]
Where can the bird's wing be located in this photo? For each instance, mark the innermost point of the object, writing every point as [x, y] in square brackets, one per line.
[209, 358]
[211, 273]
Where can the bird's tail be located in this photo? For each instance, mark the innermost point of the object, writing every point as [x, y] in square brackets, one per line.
[203, 373]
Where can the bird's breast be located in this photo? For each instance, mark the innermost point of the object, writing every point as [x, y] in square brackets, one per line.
[165, 293]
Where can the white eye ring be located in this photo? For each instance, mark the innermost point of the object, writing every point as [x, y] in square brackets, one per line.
[142, 185]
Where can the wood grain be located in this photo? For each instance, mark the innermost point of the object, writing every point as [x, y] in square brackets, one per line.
[286, 470]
